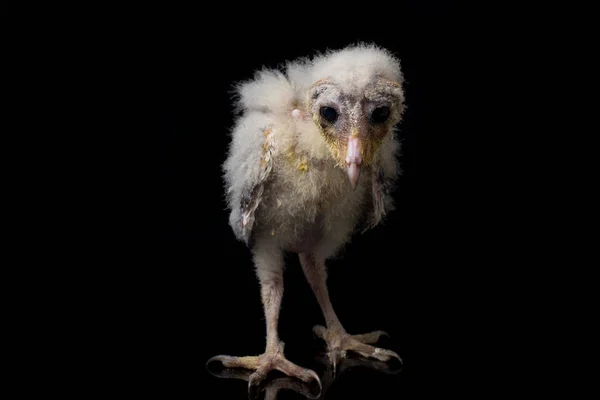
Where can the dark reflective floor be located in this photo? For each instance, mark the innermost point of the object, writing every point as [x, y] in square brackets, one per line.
[173, 314]
[333, 385]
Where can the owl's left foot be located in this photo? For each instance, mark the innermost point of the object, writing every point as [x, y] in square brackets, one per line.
[339, 343]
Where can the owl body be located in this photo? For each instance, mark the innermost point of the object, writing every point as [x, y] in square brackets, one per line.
[286, 180]
[308, 205]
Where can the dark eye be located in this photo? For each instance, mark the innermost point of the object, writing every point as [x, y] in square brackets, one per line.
[380, 114]
[329, 114]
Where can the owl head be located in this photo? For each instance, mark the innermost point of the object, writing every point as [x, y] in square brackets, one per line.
[355, 102]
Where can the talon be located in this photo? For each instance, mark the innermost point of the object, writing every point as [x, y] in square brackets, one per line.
[392, 355]
[222, 359]
[335, 356]
[210, 360]
[396, 356]
[385, 355]
[255, 379]
[316, 378]
[253, 389]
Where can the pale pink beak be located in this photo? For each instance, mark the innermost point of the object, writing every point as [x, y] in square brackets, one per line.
[353, 161]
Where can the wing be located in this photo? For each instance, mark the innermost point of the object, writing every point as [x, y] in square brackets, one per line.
[265, 103]
[253, 192]
[384, 175]
[247, 169]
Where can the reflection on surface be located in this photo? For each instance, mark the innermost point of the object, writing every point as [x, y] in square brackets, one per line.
[328, 377]
[273, 384]
[270, 385]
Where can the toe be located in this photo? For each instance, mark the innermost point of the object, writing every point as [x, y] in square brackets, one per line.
[366, 350]
[293, 370]
[251, 362]
[372, 337]
[320, 331]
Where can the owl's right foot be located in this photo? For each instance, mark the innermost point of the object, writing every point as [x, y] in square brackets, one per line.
[266, 362]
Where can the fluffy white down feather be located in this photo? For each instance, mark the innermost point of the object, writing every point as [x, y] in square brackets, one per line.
[314, 208]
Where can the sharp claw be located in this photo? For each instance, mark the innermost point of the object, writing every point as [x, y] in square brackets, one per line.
[254, 380]
[316, 378]
[215, 358]
[253, 391]
[395, 355]
[387, 354]
[399, 360]
[210, 360]
[335, 357]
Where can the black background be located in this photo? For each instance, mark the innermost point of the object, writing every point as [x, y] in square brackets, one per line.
[184, 289]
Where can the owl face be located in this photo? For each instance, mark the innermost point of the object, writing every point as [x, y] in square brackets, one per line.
[354, 122]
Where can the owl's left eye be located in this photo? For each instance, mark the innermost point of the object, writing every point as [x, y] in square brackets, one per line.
[380, 115]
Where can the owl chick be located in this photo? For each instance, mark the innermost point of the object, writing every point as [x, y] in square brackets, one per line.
[312, 160]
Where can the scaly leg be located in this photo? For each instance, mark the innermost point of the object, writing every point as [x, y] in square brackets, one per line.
[337, 339]
[269, 269]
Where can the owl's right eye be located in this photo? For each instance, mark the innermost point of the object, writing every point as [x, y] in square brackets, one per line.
[329, 114]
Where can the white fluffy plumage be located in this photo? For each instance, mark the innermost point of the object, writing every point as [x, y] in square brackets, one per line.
[312, 159]
[300, 197]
